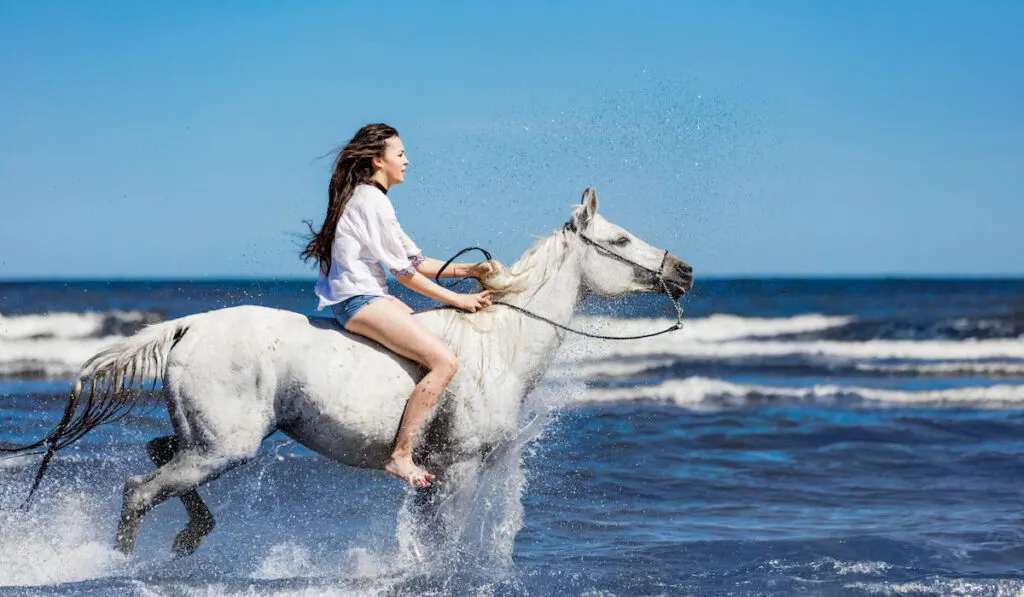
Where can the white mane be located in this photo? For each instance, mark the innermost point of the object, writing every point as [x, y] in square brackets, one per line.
[494, 336]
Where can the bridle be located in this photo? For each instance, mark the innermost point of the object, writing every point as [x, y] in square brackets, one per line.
[570, 227]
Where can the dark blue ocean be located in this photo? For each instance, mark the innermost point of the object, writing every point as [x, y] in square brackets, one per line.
[797, 437]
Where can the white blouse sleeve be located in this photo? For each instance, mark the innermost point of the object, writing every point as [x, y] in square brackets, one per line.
[414, 252]
[386, 241]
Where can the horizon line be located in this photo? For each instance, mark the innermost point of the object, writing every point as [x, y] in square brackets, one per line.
[711, 277]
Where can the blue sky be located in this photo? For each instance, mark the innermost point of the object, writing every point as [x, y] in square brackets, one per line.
[146, 139]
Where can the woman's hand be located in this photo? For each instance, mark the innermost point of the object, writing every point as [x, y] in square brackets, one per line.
[480, 270]
[473, 302]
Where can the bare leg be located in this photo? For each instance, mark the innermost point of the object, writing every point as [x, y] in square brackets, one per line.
[390, 322]
[421, 403]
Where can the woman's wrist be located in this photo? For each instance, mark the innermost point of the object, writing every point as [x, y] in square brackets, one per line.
[453, 298]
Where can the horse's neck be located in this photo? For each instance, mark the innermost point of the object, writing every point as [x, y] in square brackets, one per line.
[501, 339]
[556, 300]
[555, 297]
[554, 291]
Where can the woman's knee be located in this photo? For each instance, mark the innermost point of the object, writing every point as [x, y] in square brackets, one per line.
[444, 361]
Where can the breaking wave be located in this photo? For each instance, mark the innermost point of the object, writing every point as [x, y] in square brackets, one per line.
[698, 392]
[56, 344]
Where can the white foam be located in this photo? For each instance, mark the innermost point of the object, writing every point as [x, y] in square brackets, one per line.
[719, 327]
[700, 392]
[148, 589]
[62, 325]
[843, 568]
[59, 547]
[730, 338]
[286, 561]
[985, 368]
[954, 587]
[49, 356]
[605, 369]
[57, 344]
[59, 325]
[715, 328]
[872, 349]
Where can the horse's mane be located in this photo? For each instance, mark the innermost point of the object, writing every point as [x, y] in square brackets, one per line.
[491, 337]
[536, 265]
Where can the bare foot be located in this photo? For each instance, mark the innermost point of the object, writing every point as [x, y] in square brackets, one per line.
[406, 470]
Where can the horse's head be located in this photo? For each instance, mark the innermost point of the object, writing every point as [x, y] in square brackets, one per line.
[614, 262]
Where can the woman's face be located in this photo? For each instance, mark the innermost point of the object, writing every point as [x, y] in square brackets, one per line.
[391, 165]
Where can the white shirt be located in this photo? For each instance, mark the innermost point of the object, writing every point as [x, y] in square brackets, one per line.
[367, 235]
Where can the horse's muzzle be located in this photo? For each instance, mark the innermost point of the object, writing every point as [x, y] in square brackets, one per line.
[678, 276]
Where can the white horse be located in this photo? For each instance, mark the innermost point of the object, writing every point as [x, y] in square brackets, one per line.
[232, 377]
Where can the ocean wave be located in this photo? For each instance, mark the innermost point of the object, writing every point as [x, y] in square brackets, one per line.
[154, 588]
[717, 343]
[956, 368]
[702, 392]
[973, 587]
[796, 364]
[48, 357]
[706, 339]
[716, 328]
[56, 345]
[955, 328]
[74, 325]
[843, 568]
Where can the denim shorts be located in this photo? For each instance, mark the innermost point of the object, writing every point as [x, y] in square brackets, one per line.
[344, 310]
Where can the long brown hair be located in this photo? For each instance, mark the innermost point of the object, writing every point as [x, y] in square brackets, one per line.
[352, 167]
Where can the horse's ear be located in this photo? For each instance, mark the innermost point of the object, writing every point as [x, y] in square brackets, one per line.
[582, 215]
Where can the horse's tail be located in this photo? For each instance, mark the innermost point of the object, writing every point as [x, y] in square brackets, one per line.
[113, 381]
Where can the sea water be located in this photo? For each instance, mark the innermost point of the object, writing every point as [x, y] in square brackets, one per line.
[797, 437]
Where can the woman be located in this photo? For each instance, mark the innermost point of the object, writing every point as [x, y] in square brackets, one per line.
[359, 234]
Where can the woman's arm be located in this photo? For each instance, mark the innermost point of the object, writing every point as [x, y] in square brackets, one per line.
[423, 285]
[429, 267]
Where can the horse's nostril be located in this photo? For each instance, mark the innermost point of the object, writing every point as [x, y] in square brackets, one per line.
[684, 269]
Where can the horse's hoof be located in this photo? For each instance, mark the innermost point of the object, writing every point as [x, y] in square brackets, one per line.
[186, 543]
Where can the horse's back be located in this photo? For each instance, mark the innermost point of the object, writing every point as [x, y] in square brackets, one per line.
[336, 392]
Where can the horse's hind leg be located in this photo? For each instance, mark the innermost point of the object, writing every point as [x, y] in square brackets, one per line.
[186, 470]
[200, 519]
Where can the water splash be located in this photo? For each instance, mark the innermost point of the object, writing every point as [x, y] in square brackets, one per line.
[61, 540]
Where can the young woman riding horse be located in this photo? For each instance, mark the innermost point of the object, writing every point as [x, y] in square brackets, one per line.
[361, 232]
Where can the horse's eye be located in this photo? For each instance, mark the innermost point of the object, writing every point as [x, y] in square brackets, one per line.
[620, 242]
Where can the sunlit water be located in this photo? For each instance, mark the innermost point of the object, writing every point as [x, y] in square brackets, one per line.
[798, 437]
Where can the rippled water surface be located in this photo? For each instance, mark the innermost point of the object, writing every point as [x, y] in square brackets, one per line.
[818, 437]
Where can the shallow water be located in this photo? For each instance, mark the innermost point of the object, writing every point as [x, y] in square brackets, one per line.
[801, 437]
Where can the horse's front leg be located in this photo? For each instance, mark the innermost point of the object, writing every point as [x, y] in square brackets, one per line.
[434, 518]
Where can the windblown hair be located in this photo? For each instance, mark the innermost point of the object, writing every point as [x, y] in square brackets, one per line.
[352, 167]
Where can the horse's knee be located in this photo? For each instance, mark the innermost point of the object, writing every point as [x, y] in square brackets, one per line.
[137, 499]
[162, 449]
